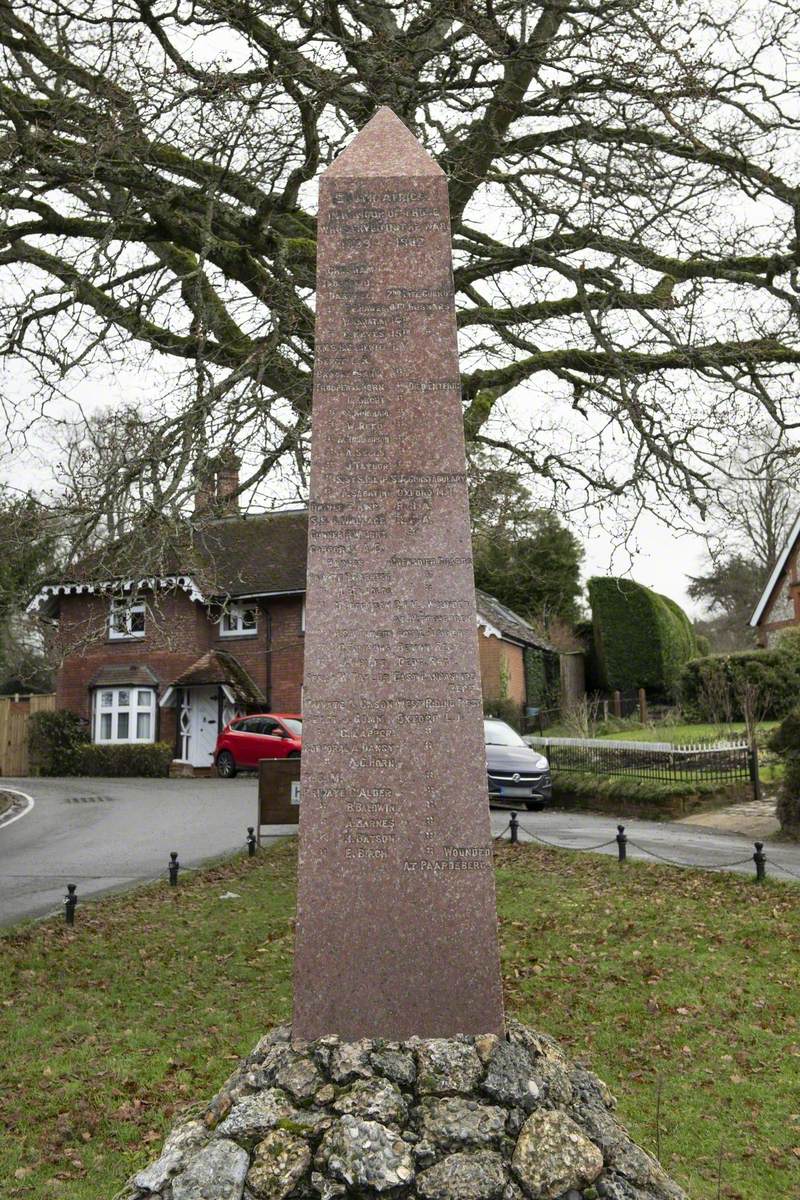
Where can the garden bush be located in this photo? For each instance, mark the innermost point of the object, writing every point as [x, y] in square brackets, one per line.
[504, 710]
[151, 760]
[788, 806]
[785, 740]
[642, 639]
[711, 687]
[55, 740]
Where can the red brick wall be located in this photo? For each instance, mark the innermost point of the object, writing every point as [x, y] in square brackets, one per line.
[177, 632]
[288, 646]
[491, 652]
[274, 657]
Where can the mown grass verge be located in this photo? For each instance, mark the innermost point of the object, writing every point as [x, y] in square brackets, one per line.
[680, 988]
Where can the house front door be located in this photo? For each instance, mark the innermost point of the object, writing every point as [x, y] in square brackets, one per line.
[204, 710]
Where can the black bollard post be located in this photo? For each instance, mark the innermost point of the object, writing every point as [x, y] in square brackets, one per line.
[70, 903]
[760, 859]
[622, 843]
[251, 841]
[513, 825]
[173, 868]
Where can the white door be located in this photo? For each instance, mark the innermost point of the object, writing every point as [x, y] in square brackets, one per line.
[204, 717]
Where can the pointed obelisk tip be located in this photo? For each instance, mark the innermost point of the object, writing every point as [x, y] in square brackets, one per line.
[385, 146]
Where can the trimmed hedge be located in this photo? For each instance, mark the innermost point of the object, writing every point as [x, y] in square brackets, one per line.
[54, 740]
[59, 745]
[642, 639]
[776, 673]
[150, 760]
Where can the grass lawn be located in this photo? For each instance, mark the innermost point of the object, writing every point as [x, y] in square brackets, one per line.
[686, 734]
[681, 989]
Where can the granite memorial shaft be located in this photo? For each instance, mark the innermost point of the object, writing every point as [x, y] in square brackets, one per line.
[396, 927]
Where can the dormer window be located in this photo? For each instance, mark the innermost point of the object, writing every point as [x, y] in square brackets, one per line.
[239, 620]
[126, 619]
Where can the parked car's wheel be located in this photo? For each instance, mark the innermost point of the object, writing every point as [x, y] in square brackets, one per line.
[293, 754]
[534, 805]
[226, 765]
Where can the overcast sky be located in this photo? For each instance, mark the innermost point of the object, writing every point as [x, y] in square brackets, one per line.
[653, 553]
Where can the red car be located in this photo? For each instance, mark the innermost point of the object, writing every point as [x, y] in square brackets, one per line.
[262, 735]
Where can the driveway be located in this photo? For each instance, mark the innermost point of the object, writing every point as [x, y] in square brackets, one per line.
[110, 833]
[107, 834]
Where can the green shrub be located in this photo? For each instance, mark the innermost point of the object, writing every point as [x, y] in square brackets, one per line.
[542, 678]
[703, 644]
[711, 687]
[55, 740]
[788, 807]
[785, 740]
[788, 641]
[642, 639]
[504, 710]
[151, 760]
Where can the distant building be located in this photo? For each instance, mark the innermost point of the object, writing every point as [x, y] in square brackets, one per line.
[779, 605]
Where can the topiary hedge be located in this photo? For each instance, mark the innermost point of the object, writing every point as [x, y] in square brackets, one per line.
[716, 680]
[642, 639]
[150, 760]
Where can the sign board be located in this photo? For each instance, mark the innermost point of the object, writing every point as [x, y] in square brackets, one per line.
[278, 792]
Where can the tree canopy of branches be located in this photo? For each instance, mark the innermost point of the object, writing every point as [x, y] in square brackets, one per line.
[28, 552]
[625, 210]
[524, 555]
[730, 590]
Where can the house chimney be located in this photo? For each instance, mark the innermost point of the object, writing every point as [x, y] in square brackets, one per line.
[205, 485]
[227, 483]
[216, 485]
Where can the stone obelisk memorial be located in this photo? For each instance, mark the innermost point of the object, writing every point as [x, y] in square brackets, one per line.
[396, 932]
[396, 928]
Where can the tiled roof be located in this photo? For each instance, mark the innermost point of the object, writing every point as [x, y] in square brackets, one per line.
[217, 666]
[248, 555]
[509, 623]
[125, 675]
[263, 553]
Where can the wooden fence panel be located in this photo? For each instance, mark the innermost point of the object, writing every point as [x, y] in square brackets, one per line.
[15, 713]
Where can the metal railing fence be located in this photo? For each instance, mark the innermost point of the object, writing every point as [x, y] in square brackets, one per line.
[719, 762]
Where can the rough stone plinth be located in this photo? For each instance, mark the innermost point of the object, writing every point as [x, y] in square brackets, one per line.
[396, 925]
[417, 1120]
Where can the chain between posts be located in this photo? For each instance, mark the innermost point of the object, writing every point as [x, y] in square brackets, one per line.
[623, 841]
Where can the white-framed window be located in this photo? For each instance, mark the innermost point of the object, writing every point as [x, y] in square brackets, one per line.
[239, 620]
[124, 714]
[125, 618]
[303, 616]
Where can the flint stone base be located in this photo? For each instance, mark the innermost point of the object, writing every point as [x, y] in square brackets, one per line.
[466, 1118]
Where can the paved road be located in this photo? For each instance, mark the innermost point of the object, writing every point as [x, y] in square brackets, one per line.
[109, 833]
[105, 833]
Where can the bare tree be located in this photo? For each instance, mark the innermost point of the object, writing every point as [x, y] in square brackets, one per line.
[625, 211]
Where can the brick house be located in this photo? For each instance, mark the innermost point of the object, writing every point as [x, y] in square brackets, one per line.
[216, 630]
[779, 605]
